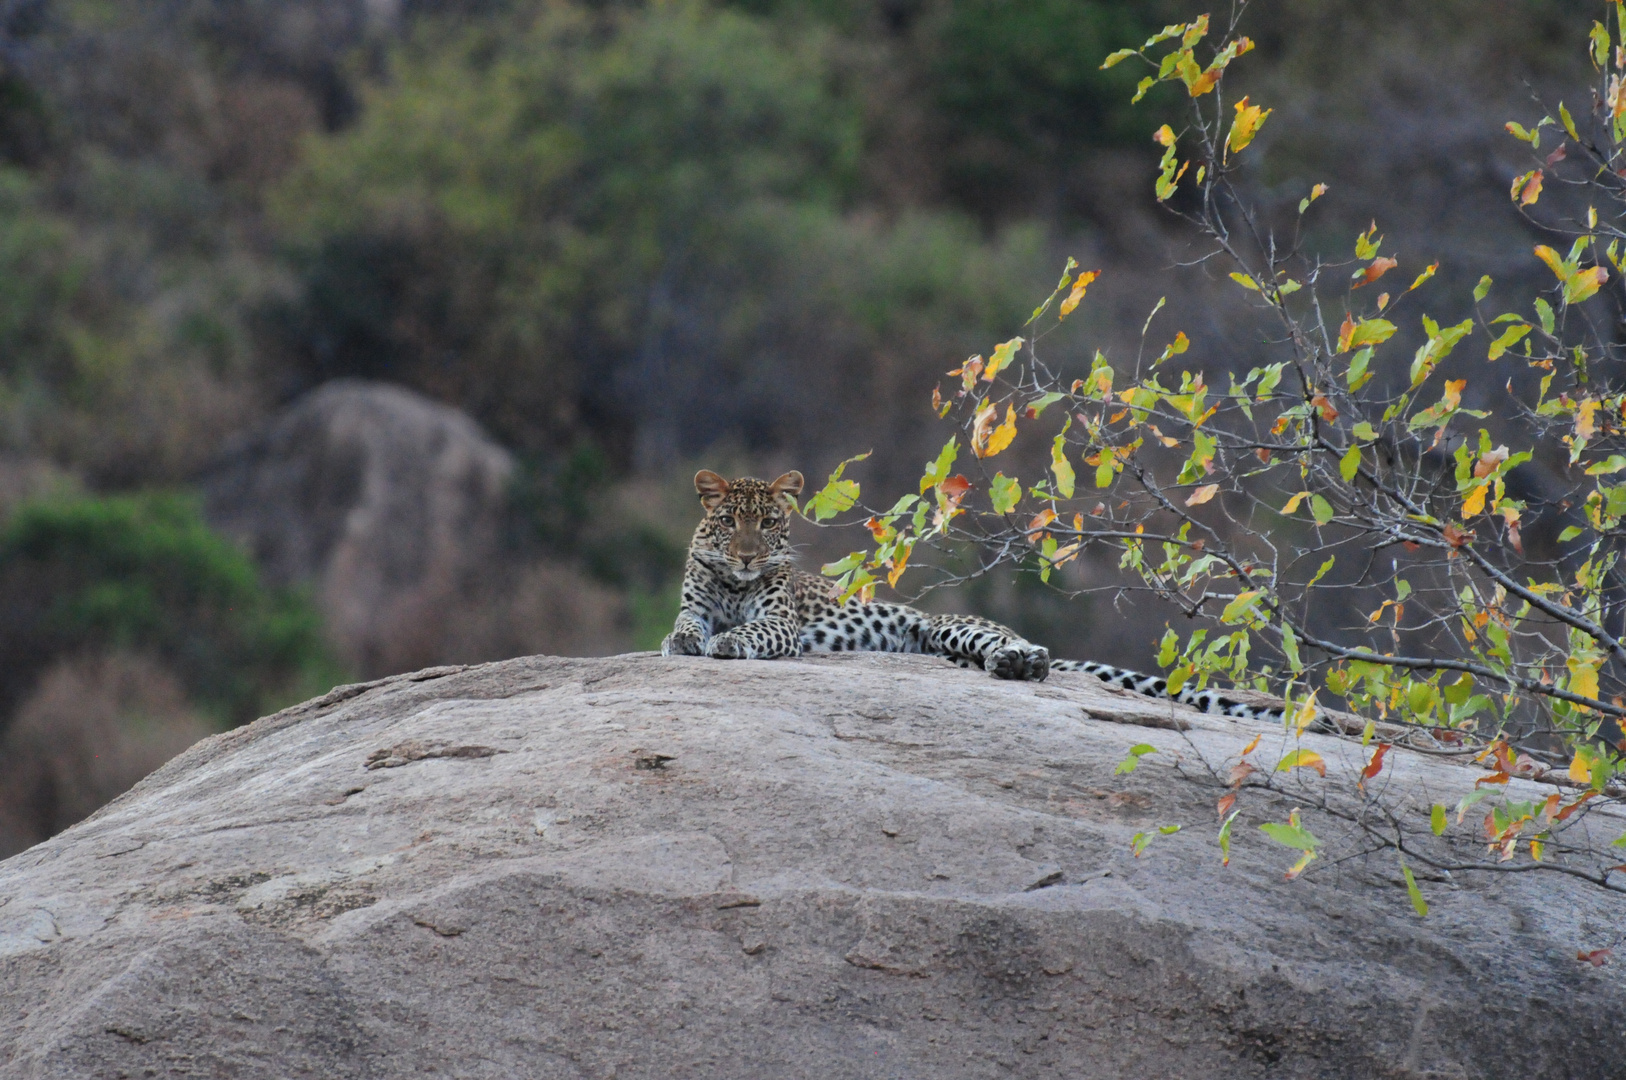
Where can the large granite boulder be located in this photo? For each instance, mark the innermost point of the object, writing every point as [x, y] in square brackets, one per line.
[858, 866]
[389, 504]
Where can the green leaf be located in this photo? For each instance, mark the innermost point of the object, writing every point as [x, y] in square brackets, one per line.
[1239, 607]
[1319, 574]
[1482, 289]
[1568, 121]
[1294, 836]
[1005, 492]
[1130, 763]
[1290, 649]
[1348, 465]
[938, 471]
[1570, 534]
[1268, 378]
[1358, 375]
[1418, 904]
[1225, 836]
[1365, 430]
[1038, 407]
[1372, 332]
[1061, 468]
[1544, 312]
[1510, 337]
[1320, 509]
[842, 566]
[838, 496]
[1436, 819]
[1117, 57]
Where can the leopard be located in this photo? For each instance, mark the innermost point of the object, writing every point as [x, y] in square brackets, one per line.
[743, 598]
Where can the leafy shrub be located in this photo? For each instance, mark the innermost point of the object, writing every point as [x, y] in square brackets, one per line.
[1357, 517]
[145, 574]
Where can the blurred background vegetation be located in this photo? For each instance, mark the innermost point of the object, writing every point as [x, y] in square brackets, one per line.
[624, 238]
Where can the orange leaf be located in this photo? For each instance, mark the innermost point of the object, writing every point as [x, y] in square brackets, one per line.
[1375, 766]
[1226, 803]
[1246, 750]
[1080, 283]
[1346, 334]
[1040, 520]
[1378, 268]
[1239, 772]
[1328, 413]
[1574, 806]
[878, 529]
[1527, 188]
[1597, 957]
[1202, 494]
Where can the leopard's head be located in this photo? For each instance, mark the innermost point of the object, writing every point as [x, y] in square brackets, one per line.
[746, 529]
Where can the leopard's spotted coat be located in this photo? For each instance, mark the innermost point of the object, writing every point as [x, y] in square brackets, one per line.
[744, 599]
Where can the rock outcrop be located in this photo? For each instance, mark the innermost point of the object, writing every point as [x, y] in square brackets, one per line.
[389, 503]
[393, 509]
[864, 866]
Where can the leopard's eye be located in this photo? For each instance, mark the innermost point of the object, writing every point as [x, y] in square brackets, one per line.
[771, 522]
[726, 520]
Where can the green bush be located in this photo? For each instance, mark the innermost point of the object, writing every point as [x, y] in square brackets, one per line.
[627, 225]
[145, 573]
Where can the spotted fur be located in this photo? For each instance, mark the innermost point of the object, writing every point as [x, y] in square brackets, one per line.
[744, 599]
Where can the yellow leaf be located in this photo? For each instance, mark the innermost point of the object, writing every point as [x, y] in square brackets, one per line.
[1580, 768]
[1246, 750]
[1586, 418]
[1293, 503]
[1003, 355]
[1202, 494]
[1249, 119]
[1303, 718]
[1583, 676]
[1244, 280]
[1164, 136]
[1583, 285]
[1475, 502]
[1079, 285]
[1303, 759]
[999, 438]
[1425, 275]
[1554, 262]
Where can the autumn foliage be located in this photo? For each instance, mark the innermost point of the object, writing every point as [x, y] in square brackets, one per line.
[1371, 513]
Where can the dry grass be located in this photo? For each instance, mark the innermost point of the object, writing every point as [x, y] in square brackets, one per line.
[92, 727]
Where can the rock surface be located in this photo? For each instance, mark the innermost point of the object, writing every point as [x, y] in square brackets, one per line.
[857, 866]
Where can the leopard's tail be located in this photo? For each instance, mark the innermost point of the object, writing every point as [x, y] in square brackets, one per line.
[1208, 701]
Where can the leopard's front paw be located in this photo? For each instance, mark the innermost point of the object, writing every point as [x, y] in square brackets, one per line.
[1022, 660]
[728, 646]
[682, 643]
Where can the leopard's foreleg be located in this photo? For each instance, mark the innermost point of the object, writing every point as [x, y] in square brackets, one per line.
[996, 649]
[688, 636]
[768, 638]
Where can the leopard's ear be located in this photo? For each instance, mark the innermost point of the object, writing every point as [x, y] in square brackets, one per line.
[789, 484]
[711, 487]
